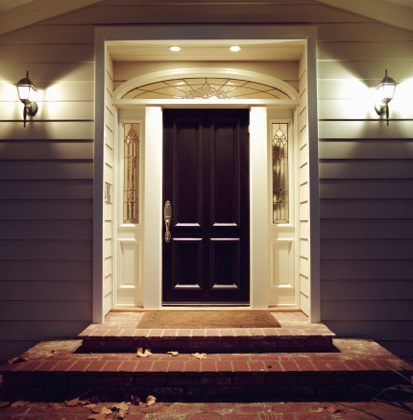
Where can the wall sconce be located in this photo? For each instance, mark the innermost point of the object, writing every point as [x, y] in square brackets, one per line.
[25, 88]
[385, 93]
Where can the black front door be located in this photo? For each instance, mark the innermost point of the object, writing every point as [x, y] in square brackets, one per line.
[206, 193]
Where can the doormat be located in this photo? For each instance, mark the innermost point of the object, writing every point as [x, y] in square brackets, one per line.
[208, 319]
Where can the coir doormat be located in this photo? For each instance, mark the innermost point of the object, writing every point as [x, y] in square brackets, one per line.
[208, 319]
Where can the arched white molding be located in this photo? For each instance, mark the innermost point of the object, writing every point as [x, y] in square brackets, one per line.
[163, 75]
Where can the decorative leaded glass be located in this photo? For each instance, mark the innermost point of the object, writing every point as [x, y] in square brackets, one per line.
[280, 173]
[205, 88]
[131, 174]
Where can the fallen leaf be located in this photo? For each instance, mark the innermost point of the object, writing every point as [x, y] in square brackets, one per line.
[173, 353]
[121, 406]
[18, 359]
[49, 353]
[142, 353]
[84, 402]
[94, 408]
[105, 410]
[4, 404]
[19, 404]
[150, 400]
[333, 409]
[199, 356]
[72, 403]
[56, 406]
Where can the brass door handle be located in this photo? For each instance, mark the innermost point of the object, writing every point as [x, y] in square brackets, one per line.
[167, 216]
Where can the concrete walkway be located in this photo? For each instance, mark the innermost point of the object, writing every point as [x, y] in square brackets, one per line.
[211, 411]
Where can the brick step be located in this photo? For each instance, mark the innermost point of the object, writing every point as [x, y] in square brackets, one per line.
[55, 370]
[199, 341]
[119, 333]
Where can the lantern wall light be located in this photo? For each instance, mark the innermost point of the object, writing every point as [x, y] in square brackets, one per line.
[25, 89]
[385, 93]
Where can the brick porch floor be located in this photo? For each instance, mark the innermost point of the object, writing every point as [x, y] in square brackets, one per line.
[351, 368]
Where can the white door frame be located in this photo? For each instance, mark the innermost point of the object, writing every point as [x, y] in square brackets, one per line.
[152, 241]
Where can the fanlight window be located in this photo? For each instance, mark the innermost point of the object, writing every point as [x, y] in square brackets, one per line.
[206, 88]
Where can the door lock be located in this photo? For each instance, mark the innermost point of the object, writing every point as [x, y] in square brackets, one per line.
[167, 217]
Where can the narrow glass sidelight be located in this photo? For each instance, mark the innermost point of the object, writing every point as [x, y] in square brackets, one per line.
[131, 173]
[280, 193]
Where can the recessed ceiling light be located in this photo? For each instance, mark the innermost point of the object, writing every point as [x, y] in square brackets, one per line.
[235, 48]
[175, 48]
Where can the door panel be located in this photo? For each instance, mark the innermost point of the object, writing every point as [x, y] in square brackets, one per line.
[206, 179]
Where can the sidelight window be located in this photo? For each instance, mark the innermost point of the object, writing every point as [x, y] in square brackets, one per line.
[280, 192]
[131, 173]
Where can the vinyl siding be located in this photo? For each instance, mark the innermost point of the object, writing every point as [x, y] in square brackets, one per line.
[46, 170]
[46, 185]
[366, 184]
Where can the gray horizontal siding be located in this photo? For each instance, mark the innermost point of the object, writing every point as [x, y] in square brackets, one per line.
[46, 189]
[46, 169]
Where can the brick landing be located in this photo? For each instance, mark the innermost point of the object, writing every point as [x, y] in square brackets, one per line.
[356, 369]
[119, 333]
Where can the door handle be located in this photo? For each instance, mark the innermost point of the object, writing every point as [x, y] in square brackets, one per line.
[167, 216]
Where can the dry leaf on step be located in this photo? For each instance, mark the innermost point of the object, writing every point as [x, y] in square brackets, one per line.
[18, 359]
[143, 353]
[19, 404]
[94, 408]
[173, 353]
[150, 400]
[72, 403]
[105, 410]
[56, 405]
[333, 409]
[121, 406]
[199, 356]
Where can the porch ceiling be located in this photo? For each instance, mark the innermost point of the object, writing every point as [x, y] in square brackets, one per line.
[206, 50]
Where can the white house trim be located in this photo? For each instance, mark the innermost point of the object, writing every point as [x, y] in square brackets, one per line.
[104, 35]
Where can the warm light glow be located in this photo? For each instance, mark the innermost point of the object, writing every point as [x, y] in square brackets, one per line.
[235, 48]
[175, 48]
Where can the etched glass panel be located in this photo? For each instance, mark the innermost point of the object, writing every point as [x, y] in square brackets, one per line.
[131, 174]
[280, 195]
[205, 88]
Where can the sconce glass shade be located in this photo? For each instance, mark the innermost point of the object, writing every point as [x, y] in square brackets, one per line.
[385, 93]
[386, 88]
[25, 88]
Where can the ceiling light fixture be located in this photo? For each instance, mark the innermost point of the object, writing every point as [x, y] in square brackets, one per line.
[25, 89]
[175, 48]
[235, 48]
[385, 93]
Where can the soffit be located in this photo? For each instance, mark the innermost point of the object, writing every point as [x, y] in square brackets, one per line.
[18, 14]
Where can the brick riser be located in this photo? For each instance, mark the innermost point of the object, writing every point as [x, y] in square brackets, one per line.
[54, 370]
[190, 387]
[222, 344]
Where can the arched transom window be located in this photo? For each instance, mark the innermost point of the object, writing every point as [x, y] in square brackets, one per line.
[206, 88]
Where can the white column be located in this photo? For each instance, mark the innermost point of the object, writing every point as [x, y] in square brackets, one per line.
[259, 208]
[152, 270]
